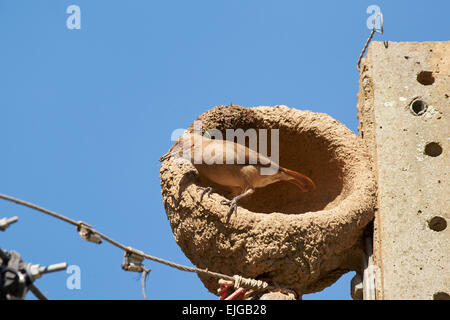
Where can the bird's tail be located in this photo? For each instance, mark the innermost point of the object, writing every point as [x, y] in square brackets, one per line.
[303, 182]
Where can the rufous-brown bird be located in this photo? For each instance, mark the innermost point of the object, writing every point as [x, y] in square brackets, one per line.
[234, 166]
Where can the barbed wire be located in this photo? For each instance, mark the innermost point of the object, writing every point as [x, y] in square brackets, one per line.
[133, 258]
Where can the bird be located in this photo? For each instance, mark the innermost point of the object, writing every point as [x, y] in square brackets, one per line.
[233, 166]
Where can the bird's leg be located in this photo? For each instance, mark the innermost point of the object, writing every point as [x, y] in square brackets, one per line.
[233, 202]
[206, 191]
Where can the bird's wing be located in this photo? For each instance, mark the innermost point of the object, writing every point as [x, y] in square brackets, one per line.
[244, 155]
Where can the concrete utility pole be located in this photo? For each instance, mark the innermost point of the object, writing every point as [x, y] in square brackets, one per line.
[404, 114]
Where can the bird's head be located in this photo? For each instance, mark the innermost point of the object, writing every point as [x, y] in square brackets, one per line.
[183, 147]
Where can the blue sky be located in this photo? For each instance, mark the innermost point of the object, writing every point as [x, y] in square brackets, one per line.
[85, 114]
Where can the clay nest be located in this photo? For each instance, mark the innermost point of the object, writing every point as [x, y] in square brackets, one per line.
[304, 241]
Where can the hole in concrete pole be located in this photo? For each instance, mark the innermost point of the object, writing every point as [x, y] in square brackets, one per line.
[418, 107]
[441, 296]
[433, 149]
[437, 223]
[425, 77]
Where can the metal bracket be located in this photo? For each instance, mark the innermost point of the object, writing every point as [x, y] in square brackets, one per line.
[88, 233]
[132, 260]
[6, 222]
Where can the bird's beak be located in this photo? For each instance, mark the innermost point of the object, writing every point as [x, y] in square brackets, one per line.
[177, 147]
[172, 151]
[166, 156]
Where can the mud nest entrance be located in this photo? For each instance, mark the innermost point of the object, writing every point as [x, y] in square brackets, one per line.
[305, 241]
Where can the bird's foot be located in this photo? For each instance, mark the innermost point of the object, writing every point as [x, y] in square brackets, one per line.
[206, 191]
[233, 206]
